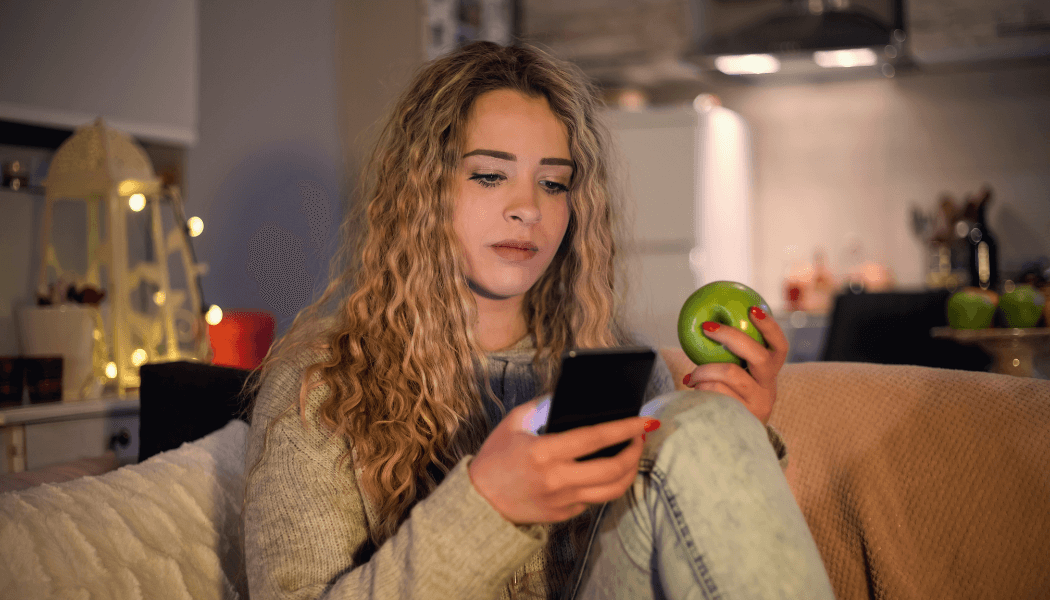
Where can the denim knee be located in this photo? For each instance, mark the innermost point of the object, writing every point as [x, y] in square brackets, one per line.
[706, 415]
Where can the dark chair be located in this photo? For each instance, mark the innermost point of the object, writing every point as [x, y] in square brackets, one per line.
[182, 401]
[894, 328]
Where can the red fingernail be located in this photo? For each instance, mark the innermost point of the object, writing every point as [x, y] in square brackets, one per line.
[758, 312]
[651, 425]
[711, 327]
[686, 380]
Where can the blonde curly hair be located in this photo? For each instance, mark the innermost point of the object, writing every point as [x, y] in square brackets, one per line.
[396, 326]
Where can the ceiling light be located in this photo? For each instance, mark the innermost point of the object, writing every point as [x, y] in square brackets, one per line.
[853, 57]
[747, 64]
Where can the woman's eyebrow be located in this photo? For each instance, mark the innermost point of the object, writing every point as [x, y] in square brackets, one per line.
[493, 153]
[508, 156]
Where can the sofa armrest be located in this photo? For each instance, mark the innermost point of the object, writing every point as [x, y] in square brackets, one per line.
[920, 482]
[168, 527]
[66, 471]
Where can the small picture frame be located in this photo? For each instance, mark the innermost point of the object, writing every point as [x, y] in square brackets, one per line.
[452, 24]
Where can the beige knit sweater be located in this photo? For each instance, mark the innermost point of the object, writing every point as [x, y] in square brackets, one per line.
[305, 520]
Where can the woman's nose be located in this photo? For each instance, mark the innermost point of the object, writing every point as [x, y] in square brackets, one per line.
[524, 207]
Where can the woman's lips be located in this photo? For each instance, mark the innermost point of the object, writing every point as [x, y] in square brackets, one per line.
[515, 251]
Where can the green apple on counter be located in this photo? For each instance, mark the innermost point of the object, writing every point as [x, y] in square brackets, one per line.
[1022, 306]
[723, 302]
[972, 308]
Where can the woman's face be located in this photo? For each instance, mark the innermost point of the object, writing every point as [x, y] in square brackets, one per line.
[511, 192]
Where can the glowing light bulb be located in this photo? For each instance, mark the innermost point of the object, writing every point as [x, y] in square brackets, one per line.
[137, 202]
[214, 315]
[196, 226]
[111, 370]
[138, 357]
[159, 298]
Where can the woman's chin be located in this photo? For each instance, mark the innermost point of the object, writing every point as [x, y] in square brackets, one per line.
[498, 290]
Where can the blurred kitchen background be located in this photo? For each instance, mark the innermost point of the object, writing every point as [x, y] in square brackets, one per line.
[803, 176]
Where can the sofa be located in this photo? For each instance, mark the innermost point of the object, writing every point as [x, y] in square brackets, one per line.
[916, 482]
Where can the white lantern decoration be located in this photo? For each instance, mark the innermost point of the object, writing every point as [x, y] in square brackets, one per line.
[112, 174]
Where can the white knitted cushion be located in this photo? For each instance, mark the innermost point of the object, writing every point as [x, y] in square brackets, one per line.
[168, 527]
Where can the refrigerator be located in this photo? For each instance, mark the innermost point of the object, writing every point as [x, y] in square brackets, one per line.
[689, 172]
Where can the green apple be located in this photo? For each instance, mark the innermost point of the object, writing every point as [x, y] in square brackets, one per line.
[1022, 306]
[723, 302]
[971, 308]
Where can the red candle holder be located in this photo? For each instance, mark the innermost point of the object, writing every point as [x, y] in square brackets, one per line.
[242, 338]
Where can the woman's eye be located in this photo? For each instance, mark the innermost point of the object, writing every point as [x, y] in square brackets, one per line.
[487, 179]
[554, 188]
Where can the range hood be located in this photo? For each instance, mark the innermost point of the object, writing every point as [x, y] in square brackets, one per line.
[669, 48]
[797, 27]
[811, 37]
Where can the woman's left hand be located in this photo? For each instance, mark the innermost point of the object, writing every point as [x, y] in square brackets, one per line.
[755, 386]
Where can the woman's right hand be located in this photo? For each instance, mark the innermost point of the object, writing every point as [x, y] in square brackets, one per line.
[536, 478]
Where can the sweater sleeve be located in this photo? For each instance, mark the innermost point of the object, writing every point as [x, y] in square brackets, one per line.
[306, 520]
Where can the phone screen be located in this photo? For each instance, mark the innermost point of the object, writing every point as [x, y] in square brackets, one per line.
[600, 385]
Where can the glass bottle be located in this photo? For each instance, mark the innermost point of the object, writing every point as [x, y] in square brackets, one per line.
[984, 251]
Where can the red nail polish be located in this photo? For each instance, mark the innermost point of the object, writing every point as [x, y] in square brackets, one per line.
[711, 327]
[643, 437]
[758, 312]
[652, 425]
[686, 380]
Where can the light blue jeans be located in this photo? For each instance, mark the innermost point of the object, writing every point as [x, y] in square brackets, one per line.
[710, 515]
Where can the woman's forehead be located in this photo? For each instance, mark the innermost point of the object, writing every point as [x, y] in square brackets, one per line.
[503, 120]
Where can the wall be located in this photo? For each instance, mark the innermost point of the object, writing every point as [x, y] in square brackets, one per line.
[380, 48]
[134, 63]
[288, 102]
[841, 163]
[267, 173]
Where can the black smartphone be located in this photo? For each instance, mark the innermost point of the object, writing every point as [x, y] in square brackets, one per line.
[599, 385]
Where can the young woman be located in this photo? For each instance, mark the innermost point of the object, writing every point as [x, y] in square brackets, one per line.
[389, 455]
